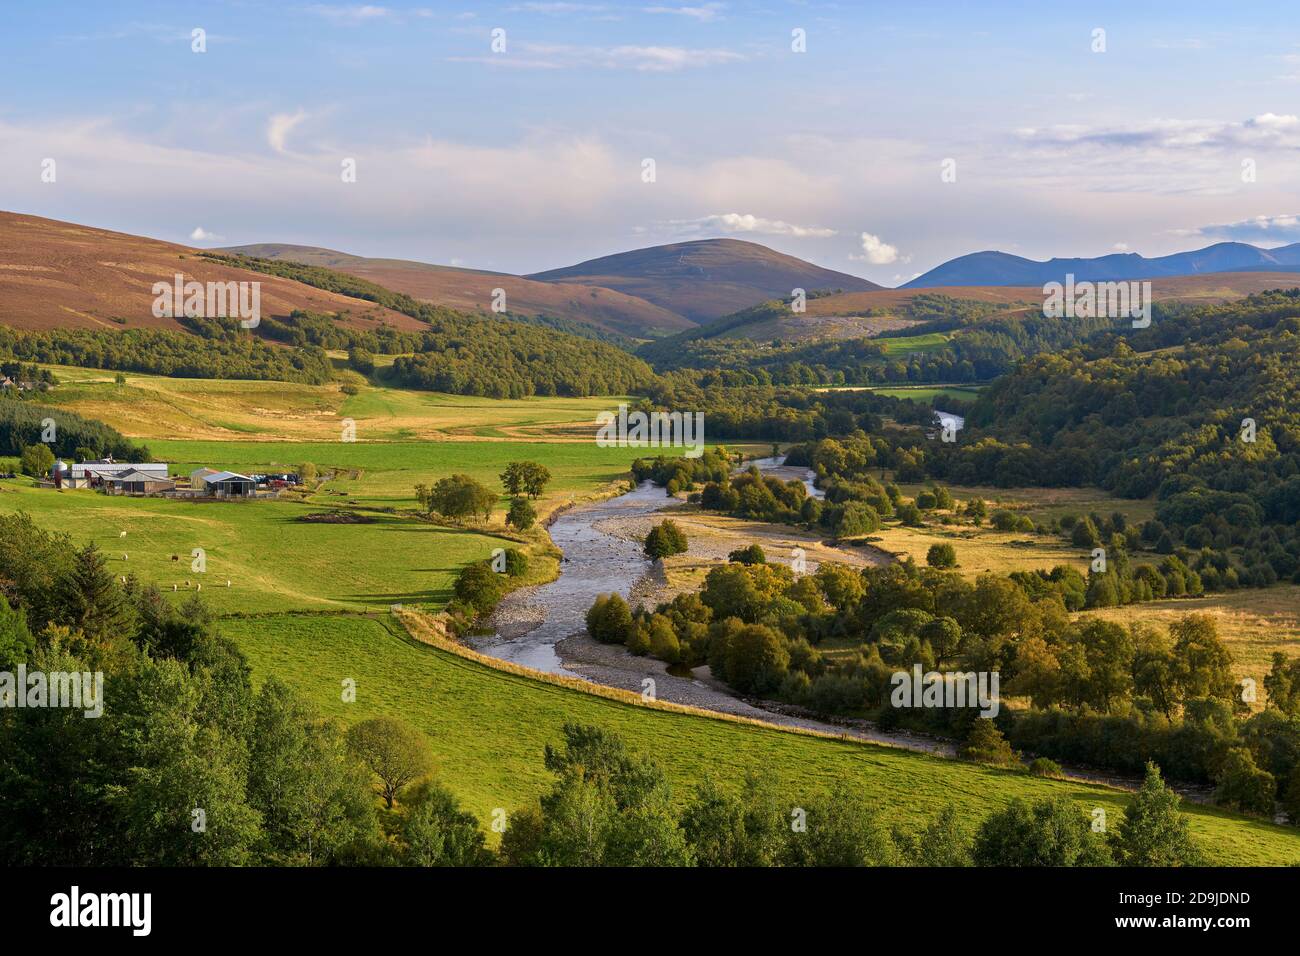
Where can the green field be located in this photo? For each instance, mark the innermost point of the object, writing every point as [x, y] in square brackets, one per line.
[907, 344]
[386, 473]
[488, 729]
[308, 603]
[931, 393]
[272, 561]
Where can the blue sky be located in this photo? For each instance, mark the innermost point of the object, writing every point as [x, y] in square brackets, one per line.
[1182, 132]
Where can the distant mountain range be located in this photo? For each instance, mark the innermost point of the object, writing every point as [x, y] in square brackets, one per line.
[1002, 268]
[706, 279]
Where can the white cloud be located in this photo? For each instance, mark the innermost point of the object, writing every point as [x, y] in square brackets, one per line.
[1120, 247]
[646, 59]
[734, 222]
[877, 252]
[280, 126]
[1267, 130]
[1266, 230]
[202, 235]
[704, 12]
[357, 13]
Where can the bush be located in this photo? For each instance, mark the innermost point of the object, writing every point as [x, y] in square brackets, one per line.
[750, 555]
[985, 744]
[479, 587]
[609, 620]
[941, 556]
[1048, 832]
[665, 539]
[1043, 767]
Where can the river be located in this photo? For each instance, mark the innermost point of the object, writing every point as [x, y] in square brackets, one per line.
[544, 627]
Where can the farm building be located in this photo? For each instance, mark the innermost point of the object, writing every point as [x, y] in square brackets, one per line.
[136, 482]
[96, 474]
[228, 484]
[198, 475]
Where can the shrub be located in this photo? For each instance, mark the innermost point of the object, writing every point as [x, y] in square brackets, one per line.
[665, 539]
[609, 620]
[941, 556]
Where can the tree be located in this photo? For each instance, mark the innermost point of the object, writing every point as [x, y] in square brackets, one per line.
[439, 833]
[93, 602]
[37, 460]
[985, 744]
[460, 496]
[609, 620]
[941, 556]
[16, 641]
[1244, 786]
[479, 587]
[944, 841]
[522, 515]
[315, 799]
[1049, 832]
[1153, 832]
[665, 539]
[842, 829]
[1202, 663]
[393, 750]
[755, 659]
[307, 474]
[753, 554]
[525, 477]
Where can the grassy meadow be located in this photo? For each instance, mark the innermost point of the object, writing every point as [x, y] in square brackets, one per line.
[488, 728]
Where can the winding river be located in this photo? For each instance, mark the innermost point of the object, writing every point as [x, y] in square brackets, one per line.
[544, 627]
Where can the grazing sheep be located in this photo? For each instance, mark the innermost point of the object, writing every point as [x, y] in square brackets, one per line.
[227, 582]
[121, 534]
[123, 555]
[176, 557]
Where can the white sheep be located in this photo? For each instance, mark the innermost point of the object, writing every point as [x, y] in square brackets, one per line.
[121, 534]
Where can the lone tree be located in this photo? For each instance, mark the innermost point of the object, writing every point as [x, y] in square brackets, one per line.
[665, 539]
[1153, 832]
[941, 556]
[458, 496]
[393, 751]
[526, 478]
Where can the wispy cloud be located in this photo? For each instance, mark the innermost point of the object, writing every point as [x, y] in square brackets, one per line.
[280, 126]
[734, 222]
[645, 59]
[1268, 130]
[703, 12]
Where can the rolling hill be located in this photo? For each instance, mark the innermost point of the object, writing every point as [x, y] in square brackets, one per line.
[62, 275]
[993, 268]
[705, 279]
[471, 290]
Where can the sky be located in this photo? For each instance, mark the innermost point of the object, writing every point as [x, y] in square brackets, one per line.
[522, 136]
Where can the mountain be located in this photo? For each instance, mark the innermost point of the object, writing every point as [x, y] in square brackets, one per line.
[63, 275]
[1001, 268]
[705, 279]
[603, 309]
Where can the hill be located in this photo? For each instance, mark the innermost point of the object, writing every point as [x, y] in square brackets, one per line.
[605, 310]
[1003, 269]
[705, 279]
[63, 275]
